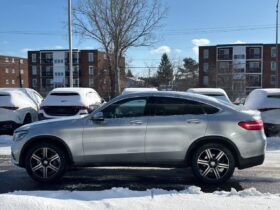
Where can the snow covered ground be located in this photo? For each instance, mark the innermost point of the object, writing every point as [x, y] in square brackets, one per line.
[5, 145]
[122, 198]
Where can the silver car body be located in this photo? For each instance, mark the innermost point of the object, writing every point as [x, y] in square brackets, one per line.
[147, 139]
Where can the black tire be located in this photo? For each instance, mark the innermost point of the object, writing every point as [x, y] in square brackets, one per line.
[214, 168]
[27, 119]
[39, 162]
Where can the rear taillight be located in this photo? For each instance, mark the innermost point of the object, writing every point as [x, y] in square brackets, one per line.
[9, 107]
[267, 109]
[252, 125]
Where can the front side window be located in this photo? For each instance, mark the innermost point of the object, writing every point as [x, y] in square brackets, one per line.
[164, 106]
[126, 108]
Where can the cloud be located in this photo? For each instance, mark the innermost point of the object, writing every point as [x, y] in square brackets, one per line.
[199, 42]
[25, 50]
[239, 42]
[162, 49]
[58, 47]
[178, 51]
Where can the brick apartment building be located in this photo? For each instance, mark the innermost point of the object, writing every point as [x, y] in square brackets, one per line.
[13, 71]
[238, 68]
[50, 68]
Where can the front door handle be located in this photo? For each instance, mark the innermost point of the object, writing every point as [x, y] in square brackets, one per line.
[135, 122]
[193, 121]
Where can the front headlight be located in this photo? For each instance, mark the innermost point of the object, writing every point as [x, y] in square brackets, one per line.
[19, 135]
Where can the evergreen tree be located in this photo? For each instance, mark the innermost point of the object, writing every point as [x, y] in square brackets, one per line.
[165, 71]
[129, 73]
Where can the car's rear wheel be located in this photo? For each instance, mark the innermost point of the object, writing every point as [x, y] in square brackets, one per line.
[27, 119]
[213, 163]
[45, 162]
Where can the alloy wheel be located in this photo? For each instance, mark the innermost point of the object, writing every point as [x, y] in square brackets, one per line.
[45, 162]
[213, 163]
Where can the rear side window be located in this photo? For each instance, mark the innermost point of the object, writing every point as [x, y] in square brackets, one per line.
[274, 96]
[165, 106]
[64, 94]
[209, 109]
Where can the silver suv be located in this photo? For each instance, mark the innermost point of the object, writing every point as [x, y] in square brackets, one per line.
[168, 129]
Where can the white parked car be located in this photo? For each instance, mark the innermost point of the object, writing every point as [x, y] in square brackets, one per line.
[134, 90]
[18, 106]
[217, 93]
[63, 102]
[267, 101]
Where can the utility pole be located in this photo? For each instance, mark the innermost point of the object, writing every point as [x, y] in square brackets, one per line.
[20, 83]
[70, 43]
[277, 60]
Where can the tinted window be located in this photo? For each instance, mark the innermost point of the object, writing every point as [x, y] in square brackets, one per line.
[164, 106]
[64, 94]
[273, 96]
[126, 108]
[209, 109]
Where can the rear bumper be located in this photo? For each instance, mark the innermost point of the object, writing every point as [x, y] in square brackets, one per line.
[250, 162]
[8, 127]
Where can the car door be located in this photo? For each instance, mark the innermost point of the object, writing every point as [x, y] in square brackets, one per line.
[174, 124]
[119, 137]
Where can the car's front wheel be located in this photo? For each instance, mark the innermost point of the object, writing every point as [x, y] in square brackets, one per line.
[45, 162]
[213, 163]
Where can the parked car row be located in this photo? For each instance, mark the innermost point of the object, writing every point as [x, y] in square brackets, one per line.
[20, 106]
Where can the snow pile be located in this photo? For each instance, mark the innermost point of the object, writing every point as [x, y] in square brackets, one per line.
[5, 145]
[122, 198]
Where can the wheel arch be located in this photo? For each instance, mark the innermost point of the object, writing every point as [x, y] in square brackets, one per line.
[46, 138]
[217, 140]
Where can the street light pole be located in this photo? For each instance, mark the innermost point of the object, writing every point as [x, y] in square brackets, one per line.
[277, 60]
[70, 43]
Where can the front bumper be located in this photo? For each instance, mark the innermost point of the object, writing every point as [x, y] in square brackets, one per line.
[8, 127]
[250, 162]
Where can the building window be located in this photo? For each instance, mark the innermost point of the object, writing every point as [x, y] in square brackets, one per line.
[34, 70]
[254, 67]
[7, 71]
[205, 80]
[7, 81]
[254, 53]
[241, 56]
[91, 82]
[13, 82]
[22, 82]
[224, 54]
[253, 80]
[273, 52]
[34, 82]
[90, 70]
[13, 60]
[224, 67]
[34, 58]
[272, 79]
[105, 56]
[205, 67]
[13, 71]
[273, 65]
[6, 60]
[21, 71]
[21, 61]
[205, 53]
[90, 57]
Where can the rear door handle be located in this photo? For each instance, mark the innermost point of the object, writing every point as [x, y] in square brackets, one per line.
[135, 122]
[193, 121]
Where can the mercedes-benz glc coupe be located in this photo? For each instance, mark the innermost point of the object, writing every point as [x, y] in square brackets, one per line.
[168, 129]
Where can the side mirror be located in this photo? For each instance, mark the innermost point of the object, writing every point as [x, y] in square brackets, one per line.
[98, 116]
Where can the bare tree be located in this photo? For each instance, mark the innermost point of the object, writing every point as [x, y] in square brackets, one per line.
[118, 25]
